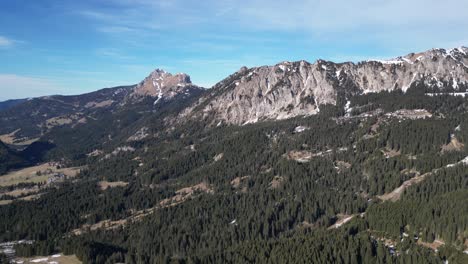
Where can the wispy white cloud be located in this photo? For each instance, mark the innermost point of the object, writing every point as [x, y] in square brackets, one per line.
[144, 69]
[385, 22]
[6, 42]
[137, 19]
[96, 15]
[211, 38]
[113, 54]
[116, 29]
[343, 14]
[392, 23]
[20, 86]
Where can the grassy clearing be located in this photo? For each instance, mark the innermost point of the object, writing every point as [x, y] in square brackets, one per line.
[29, 175]
[104, 185]
[11, 139]
[22, 192]
[5, 202]
[60, 259]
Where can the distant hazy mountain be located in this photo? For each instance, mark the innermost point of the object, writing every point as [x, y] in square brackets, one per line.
[29, 119]
[10, 103]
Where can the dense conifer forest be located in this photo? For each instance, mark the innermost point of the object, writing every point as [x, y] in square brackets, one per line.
[259, 193]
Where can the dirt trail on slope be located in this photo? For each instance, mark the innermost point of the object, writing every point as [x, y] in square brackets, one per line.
[396, 194]
[180, 196]
[342, 219]
[434, 245]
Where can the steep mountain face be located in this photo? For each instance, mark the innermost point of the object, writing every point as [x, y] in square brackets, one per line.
[161, 84]
[298, 88]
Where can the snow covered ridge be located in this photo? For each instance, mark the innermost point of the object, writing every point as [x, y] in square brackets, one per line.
[456, 54]
[388, 61]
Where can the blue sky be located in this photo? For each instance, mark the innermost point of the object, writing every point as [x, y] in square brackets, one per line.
[71, 47]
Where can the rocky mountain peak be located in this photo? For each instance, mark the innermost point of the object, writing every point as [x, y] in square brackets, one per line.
[161, 84]
[242, 70]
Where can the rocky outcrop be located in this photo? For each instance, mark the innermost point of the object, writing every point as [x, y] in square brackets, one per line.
[291, 89]
[161, 84]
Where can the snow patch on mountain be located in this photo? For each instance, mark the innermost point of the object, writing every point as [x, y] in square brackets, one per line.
[162, 84]
[290, 89]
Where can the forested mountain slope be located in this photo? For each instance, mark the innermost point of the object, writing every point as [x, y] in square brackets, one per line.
[73, 126]
[377, 177]
[33, 118]
[9, 159]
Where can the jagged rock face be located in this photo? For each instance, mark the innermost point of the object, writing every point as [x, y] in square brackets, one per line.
[299, 88]
[434, 68]
[270, 92]
[164, 85]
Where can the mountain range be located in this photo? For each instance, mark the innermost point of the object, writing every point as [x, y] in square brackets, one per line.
[285, 90]
[332, 162]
